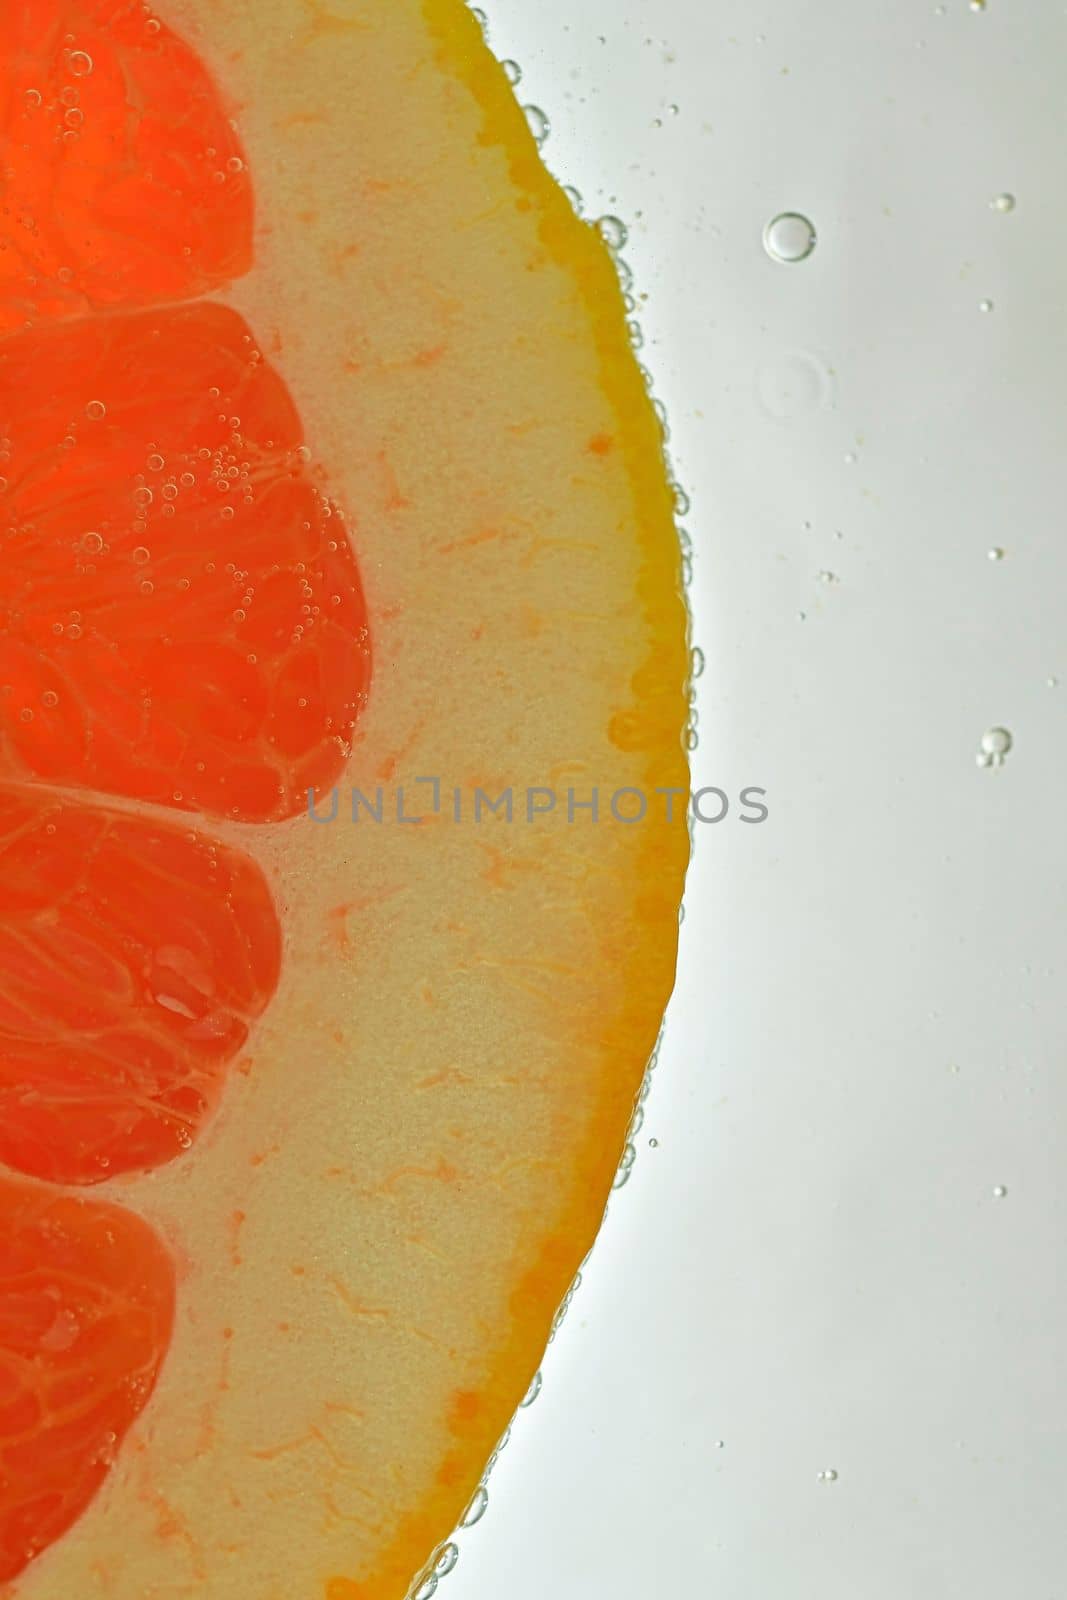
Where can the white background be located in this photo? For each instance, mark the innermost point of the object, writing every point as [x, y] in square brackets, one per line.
[811, 1266]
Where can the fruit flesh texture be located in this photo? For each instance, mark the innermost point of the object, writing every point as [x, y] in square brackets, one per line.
[184, 618]
[86, 1307]
[469, 1011]
[181, 622]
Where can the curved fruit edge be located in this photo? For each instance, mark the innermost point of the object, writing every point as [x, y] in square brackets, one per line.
[655, 725]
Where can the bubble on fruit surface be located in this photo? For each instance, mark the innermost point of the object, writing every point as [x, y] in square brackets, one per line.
[789, 237]
[446, 1560]
[95, 410]
[613, 231]
[995, 746]
[574, 196]
[538, 123]
[476, 1508]
[512, 72]
[533, 1391]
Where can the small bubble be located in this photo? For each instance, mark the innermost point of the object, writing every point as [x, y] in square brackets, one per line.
[512, 71]
[50, 698]
[574, 196]
[32, 97]
[74, 118]
[720, 1444]
[995, 746]
[985, 306]
[446, 1560]
[80, 64]
[69, 97]
[789, 237]
[1002, 203]
[696, 662]
[653, 1144]
[613, 231]
[25, 715]
[235, 164]
[533, 1391]
[1052, 683]
[95, 410]
[92, 544]
[147, 586]
[682, 504]
[480, 18]
[476, 1509]
[141, 554]
[829, 1475]
[996, 553]
[152, 25]
[978, 5]
[537, 123]
[999, 1192]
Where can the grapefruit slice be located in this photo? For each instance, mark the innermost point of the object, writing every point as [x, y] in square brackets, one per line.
[86, 1304]
[377, 1227]
[124, 182]
[184, 619]
[134, 958]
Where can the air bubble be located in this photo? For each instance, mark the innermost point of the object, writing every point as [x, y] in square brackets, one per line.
[996, 553]
[985, 306]
[92, 544]
[446, 1560]
[1000, 1192]
[681, 501]
[1002, 203]
[141, 554]
[147, 586]
[538, 124]
[476, 1509]
[512, 71]
[235, 164]
[613, 231]
[95, 410]
[74, 118]
[829, 1475]
[696, 662]
[789, 237]
[574, 196]
[80, 64]
[995, 747]
[533, 1391]
[32, 97]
